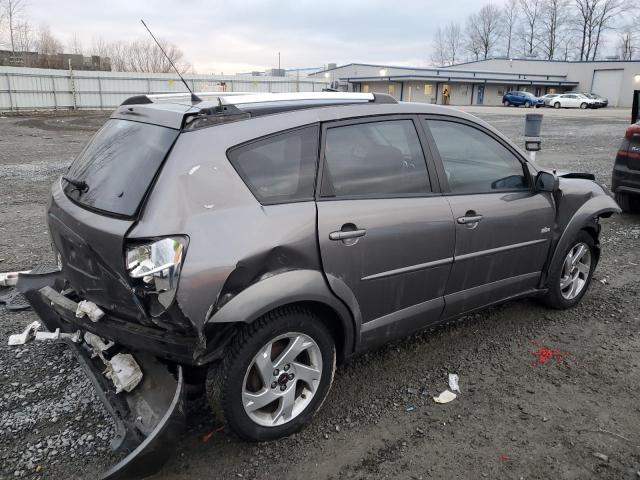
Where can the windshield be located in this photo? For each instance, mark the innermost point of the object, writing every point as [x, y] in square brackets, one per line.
[114, 171]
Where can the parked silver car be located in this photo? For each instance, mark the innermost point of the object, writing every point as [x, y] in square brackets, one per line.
[260, 240]
[548, 98]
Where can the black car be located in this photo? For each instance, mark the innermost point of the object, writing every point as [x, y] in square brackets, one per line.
[625, 181]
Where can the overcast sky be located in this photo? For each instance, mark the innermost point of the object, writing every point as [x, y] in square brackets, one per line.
[244, 35]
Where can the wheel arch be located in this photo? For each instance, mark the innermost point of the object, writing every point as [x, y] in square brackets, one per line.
[585, 218]
[306, 288]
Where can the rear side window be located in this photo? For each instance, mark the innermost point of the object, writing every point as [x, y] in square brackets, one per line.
[280, 168]
[374, 159]
[118, 165]
[475, 162]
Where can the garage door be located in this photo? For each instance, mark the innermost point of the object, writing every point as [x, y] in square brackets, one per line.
[607, 83]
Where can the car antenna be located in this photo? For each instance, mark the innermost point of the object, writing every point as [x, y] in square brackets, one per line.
[194, 98]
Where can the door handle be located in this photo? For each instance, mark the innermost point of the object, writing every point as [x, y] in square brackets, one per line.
[470, 219]
[347, 234]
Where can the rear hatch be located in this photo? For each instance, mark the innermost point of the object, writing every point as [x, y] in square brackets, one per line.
[97, 201]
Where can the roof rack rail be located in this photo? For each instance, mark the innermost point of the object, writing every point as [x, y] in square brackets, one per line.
[238, 98]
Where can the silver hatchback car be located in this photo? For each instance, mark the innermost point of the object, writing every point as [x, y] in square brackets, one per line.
[252, 242]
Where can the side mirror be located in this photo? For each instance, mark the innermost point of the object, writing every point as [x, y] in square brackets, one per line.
[546, 182]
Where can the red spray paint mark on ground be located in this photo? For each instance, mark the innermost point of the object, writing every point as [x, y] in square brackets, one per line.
[544, 354]
[504, 457]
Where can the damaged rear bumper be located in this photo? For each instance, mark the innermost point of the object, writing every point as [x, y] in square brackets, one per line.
[150, 417]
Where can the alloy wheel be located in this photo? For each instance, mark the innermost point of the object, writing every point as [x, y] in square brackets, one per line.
[575, 271]
[282, 379]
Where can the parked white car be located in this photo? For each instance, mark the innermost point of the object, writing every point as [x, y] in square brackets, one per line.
[548, 98]
[573, 100]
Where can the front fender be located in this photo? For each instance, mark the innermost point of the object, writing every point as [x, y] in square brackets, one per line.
[285, 288]
[596, 206]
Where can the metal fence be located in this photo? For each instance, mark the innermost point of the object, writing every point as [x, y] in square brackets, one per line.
[43, 89]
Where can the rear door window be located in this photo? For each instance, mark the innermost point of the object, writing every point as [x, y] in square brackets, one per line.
[374, 159]
[280, 168]
[118, 166]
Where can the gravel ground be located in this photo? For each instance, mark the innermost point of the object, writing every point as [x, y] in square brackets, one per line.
[545, 394]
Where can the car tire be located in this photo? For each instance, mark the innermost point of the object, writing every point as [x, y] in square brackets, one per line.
[569, 280]
[556, 105]
[628, 203]
[527, 104]
[583, 105]
[238, 375]
[506, 104]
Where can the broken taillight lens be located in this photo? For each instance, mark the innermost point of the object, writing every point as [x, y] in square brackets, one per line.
[155, 267]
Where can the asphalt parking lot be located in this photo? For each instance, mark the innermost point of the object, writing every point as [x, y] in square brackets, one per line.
[545, 394]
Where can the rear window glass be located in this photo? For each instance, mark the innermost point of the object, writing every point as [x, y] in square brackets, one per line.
[375, 159]
[280, 168]
[118, 165]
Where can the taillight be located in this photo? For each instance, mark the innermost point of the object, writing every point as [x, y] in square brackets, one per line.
[154, 267]
[633, 131]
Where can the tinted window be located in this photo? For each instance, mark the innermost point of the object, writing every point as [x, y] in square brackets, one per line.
[473, 161]
[375, 159]
[280, 168]
[118, 165]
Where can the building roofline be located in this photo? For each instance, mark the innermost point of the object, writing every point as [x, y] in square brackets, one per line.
[436, 69]
[381, 65]
[520, 81]
[540, 60]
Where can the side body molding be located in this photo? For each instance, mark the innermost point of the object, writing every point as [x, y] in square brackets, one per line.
[282, 289]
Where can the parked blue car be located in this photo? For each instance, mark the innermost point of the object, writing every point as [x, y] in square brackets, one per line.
[521, 98]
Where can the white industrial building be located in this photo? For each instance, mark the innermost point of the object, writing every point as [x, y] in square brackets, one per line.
[485, 81]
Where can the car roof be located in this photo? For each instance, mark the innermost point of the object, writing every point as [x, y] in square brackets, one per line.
[171, 110]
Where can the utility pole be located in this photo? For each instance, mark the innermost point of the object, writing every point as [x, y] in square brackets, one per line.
[73, 87]
[278, 60]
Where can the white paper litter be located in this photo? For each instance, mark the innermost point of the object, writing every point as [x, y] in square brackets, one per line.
[445, 397]
[453, 383]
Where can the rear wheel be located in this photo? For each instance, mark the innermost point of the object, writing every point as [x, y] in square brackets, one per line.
[275, 376]
[556, 105]
[570, 277]
[583, 105]
[628, 203]
[527, 104]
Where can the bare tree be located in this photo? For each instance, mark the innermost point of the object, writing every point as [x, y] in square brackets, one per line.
[584, 25]
[100, 47]
[25, 37]
[628, 39]
[552, 19]
[75, 45]
[439, 49]
[484, 28]
[453, 39]
[13, 11]
[627, 44]
[140, 56]
[48, 47]
[447, 44]
[509, 22]
[594, 17]
[472, 41]
[531, 12]
[605, 15]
